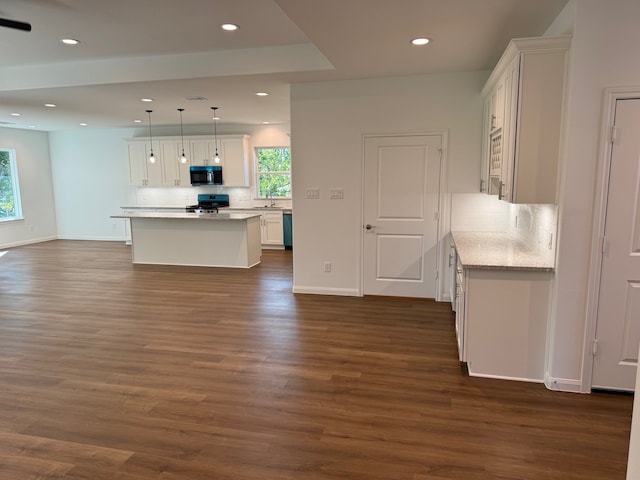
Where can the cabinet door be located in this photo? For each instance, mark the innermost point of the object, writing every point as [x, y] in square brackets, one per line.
[484, 167]
[155, 171]
[202, 151]
[512, 86]
[137, 164]
[235, 157]
[176, 173]
[272, 228]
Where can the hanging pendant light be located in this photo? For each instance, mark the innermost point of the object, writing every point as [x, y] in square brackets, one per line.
[152, 158]
[216, 159]
[183, 158]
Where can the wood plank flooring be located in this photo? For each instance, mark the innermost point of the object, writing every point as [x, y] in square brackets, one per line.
[121, 372]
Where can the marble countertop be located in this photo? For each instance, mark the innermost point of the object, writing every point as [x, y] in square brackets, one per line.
[188, 215]
[499, 251]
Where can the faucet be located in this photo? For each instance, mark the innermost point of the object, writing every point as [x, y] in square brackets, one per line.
[270, 197]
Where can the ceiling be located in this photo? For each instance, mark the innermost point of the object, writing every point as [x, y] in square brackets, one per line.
[177, 54]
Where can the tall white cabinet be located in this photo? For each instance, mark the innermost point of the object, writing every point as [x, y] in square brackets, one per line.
[523, 100]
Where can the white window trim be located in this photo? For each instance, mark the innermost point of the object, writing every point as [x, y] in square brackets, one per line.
[16, 186]
[258, 173]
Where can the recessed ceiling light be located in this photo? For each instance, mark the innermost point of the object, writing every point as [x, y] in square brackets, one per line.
[266, 123]
[420, 41]
[215, 118]
[83, 124]
[229, 27]
[137, 121]
[196, 98]
[147, 99]
[262, 94]
[50, 105]
[70, 41]
[32, 126]
[16, 114]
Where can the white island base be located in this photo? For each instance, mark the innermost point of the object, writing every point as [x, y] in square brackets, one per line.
[204, 240]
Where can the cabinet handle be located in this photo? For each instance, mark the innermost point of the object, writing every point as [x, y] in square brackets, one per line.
[482, 188]
[500, 193]
[493, 122]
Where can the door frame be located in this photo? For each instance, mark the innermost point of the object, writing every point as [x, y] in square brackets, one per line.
[605, 150]
[443, 204]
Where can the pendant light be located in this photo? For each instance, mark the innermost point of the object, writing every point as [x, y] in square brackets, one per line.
[216, 159]
[183, 159]
[152, 158]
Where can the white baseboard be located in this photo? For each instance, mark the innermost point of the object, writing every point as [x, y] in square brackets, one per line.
[94, 238]
[504, 377]
[29, 242]
[344, 292]
[563, 384]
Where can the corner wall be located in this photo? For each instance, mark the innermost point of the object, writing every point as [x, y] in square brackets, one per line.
[36, 192]
[328, 123]
[606, 38]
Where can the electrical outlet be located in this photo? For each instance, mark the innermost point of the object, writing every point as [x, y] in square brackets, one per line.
[327, 267]
[312, 193]
[336, 194]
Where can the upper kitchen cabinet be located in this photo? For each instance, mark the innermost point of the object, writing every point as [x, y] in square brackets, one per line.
[176, 173]
[142, 172]
[168, 171]
[523, 101]
[234, 150]
[234, 157]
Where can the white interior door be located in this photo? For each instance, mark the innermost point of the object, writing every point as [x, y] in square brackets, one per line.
[401, 191]
[618, 319]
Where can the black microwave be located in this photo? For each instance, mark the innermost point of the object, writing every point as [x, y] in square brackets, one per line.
[206, 175]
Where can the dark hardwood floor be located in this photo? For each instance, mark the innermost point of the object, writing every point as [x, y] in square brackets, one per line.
[115, 371]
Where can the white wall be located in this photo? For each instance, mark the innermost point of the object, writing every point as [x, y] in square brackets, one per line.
[605, 43]
[90, 178]
[328, 123]
[34, 177]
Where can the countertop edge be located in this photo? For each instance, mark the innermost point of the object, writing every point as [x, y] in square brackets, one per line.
[497, 263]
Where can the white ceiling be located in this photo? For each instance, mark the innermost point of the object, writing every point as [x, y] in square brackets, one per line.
[170, 50]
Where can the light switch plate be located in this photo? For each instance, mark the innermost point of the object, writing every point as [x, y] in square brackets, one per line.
[336, 194]
[312, 193]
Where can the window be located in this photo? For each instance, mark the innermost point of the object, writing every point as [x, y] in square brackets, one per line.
[273, 167]
[10, 208]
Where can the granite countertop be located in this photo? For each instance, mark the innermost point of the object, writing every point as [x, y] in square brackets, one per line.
[499, 251]
[188, 215]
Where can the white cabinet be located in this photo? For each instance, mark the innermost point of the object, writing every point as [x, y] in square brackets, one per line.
[271, 227]
[234, 157]
[234, 150]
[176, 173]
[142, 172]
[460, 311]
[523, 114]
[501, 322]
[169, 171]
[202, 151]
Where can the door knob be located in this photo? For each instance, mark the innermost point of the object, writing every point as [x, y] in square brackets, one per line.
[368, 226]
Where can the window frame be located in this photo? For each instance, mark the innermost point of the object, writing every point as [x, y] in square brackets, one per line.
[258, 173]
[15, 186]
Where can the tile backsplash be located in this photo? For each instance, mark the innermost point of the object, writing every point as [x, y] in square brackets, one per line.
[534, 225]
[180, 197]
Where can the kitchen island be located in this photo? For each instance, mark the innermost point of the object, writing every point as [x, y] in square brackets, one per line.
[195, 239]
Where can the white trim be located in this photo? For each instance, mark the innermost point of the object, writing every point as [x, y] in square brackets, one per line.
[442, 182]
[563, 384]
[28, 242]
[503, 377]
[610, 97]
[90, 238]
[343, 292]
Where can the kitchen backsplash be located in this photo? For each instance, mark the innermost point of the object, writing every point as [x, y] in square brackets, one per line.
[180, 197]
[533, 225]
